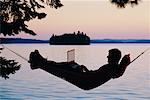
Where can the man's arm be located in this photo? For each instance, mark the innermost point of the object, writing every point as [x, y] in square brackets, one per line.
[122, 66]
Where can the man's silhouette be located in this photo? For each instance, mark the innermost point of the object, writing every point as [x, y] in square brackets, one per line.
[79, 75]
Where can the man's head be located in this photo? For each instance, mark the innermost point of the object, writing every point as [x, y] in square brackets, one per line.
[114, 56]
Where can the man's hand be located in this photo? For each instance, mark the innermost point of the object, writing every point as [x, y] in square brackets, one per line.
[123, 65]
[125, 60]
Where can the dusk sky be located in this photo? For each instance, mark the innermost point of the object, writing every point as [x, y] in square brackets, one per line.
[99, 19]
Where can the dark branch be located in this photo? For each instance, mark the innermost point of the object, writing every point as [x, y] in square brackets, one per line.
[8, 67]
[14, 14]
[123, 3]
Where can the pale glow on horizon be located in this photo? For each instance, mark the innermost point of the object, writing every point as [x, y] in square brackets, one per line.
[99, 19]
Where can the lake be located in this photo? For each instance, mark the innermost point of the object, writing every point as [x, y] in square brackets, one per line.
[27, 84]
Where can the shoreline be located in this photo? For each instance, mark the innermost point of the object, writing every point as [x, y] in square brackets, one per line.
[92, 41]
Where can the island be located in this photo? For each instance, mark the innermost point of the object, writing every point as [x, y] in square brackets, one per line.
[78, 38]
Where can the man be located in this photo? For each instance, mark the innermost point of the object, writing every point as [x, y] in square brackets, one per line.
[79, 75]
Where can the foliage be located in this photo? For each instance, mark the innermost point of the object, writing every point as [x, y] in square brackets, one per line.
[14, 14]
[123, 3]
[8, 67]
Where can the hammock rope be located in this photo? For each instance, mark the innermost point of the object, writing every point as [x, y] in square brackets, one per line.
[29, 62]
[16, 53]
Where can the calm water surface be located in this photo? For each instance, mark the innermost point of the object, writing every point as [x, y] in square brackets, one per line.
[29, 84]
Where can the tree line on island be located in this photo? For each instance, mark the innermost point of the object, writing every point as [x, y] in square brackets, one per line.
[78, 38]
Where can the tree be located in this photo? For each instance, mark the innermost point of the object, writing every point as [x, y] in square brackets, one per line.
[8, 67]
[14, 13]
[123, 3]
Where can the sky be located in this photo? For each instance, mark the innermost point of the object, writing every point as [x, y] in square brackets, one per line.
[99, 19]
